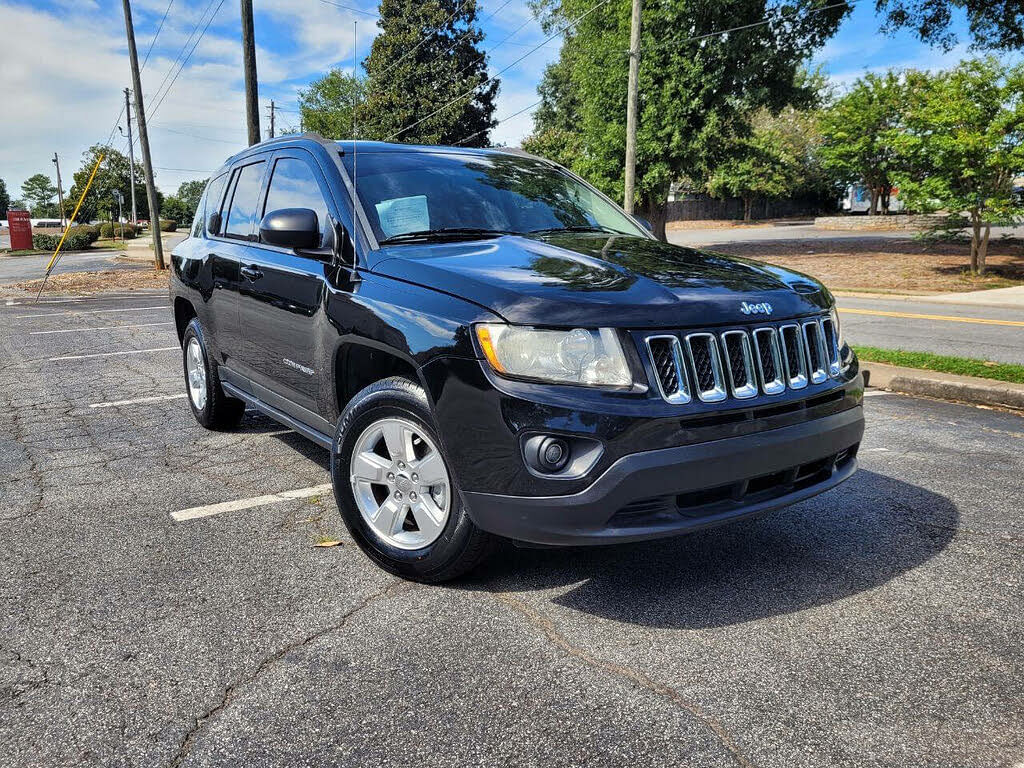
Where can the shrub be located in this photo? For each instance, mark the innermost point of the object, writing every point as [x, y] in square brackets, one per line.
[86, 230]
[75, 241]
[109, 230]
[168, 225]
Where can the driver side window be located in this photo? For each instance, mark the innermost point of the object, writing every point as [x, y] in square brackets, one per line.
[294, 185]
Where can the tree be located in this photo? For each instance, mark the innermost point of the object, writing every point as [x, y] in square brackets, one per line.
[697, 88]
[191, 192]
[5, 200]
[175, 208]
[328, 104]
[992, 24]
[113, 175]
[427, 60]
[758, 169]
[859, 131]
[38, 190]
[962, 145]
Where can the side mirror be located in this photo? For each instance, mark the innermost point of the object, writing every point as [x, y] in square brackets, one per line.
[645, 223]
[213, 224]
[296, 228]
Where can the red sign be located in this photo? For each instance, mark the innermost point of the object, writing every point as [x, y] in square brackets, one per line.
[21, 230]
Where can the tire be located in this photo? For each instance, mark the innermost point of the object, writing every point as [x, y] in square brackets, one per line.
[214, 410]
[437, 540]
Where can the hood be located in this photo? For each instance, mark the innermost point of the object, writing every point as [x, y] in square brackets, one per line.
[596, 279]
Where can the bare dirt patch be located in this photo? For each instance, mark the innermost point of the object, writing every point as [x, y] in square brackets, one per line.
[95, 282]
[888, 264]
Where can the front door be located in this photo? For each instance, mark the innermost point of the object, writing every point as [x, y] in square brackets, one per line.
[281, 296]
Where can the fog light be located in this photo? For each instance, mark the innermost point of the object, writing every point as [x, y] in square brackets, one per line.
[545, 453]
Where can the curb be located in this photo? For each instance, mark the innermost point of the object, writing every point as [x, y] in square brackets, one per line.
[946, 386]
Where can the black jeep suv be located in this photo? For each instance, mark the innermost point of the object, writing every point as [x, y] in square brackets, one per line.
[489, 346]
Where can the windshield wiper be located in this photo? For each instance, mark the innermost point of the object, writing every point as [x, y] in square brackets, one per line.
[426, 234]
[589, 228]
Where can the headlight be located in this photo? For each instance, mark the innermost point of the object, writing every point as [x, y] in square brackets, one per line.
[834, 314]
[592, 358]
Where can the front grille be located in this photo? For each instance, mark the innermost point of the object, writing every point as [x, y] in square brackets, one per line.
[743, 363]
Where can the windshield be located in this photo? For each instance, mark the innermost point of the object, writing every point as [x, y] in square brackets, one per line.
[409, 195]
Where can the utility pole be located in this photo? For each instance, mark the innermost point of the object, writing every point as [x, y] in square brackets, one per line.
[631, 105]
[60, 190]
[131, 154]
[140, 118]
[271, 108]
[252, 101]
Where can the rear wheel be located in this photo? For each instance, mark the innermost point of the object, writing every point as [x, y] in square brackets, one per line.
[395, 491]
[211, 407]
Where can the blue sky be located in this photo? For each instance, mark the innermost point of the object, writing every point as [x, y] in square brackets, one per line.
[64, 65]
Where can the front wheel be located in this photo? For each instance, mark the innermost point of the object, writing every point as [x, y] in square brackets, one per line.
[211, 407]
[394, 488]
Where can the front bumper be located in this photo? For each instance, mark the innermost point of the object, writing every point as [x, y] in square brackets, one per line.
[684, 488]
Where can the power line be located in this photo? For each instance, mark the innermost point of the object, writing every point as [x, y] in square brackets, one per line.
[498, 122]
[188, 41]
[424, 39]
[153, 42]
[350, 8]
[494, 77]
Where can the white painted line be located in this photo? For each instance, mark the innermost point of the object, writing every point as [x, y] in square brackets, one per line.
[113, 354]
[194, 513]
[77, 299]
[877, 393]
[96, 311]
[98, 328]
[151, 399]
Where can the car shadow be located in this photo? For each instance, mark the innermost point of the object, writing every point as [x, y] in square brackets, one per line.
[868, 531]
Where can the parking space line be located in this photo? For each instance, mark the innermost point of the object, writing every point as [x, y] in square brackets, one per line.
[94, 311]
[194, 513]
[98, 328]
[150, 399]
[78, 299]
[113, 354]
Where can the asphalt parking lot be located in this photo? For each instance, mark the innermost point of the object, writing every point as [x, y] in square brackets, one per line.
[159, 607]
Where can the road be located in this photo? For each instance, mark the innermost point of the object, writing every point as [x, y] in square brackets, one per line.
[880, 624]
[15, 269]
[749, 234]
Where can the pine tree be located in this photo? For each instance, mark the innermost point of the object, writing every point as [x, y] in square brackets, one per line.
[427, 55]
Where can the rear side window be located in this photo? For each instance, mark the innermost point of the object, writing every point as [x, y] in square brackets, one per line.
[241, 213]
[294, 185]
[209, 204]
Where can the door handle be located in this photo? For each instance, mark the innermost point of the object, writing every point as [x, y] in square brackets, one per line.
[251, 273]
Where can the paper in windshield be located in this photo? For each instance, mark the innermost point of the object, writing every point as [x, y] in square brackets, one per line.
[403, 214]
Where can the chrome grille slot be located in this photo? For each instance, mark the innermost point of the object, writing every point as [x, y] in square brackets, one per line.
[707, 367]
[667, 357]
[832, 345]
[769, 360]
[793, 356]
[816, 354]
[739, 364]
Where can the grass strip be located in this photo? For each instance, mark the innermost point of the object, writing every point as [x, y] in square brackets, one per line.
[962, 366]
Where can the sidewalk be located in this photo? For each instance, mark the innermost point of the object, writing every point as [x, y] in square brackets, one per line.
[141, 248]
[946, 386]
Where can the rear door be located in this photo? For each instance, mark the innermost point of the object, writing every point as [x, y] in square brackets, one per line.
[228, 250]
[281, 295]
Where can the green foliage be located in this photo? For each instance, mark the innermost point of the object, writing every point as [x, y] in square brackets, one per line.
[38, 190]
[859, 132]
[75, 241]
[177, 209]
[92, 233]
[168, 225]
[113, 175]
[427, 55]
[696, 95]
[5, 200]
[962, 366]
[328, 104]
[962, 143]
[993, 24]
[190, 192]
[111, 229]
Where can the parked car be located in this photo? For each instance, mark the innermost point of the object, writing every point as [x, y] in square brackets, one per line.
[489, 347]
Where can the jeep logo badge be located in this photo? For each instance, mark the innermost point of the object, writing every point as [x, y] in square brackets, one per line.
[764, 308]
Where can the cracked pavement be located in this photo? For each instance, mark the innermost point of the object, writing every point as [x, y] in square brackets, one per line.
[877, 625]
